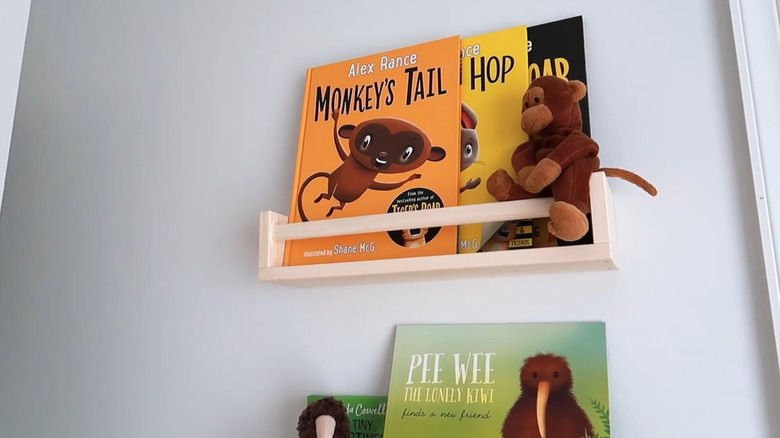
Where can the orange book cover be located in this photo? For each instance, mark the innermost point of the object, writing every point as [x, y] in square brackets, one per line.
[379, 134]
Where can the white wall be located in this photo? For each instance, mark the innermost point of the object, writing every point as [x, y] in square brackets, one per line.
[13, 28]
[151, 134]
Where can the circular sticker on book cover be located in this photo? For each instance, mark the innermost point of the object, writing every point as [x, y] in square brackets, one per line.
[415, 199]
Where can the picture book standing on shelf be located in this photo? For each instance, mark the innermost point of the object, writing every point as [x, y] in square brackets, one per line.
[493, 79]
[499, 381]
[379, 134]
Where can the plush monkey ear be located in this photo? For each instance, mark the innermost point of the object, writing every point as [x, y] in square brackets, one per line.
[437, 154]
[468, 120]
[346, 131]
[577, 89]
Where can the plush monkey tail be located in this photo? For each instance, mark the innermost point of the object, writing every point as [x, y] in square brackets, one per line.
[631, 177]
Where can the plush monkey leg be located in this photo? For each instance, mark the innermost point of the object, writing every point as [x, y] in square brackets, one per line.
[571, 192]
[567, 222]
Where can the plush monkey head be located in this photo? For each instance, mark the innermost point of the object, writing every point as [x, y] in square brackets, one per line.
[390, 145]
[551, 106]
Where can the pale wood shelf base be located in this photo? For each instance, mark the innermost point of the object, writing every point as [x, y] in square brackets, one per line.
[598, 256]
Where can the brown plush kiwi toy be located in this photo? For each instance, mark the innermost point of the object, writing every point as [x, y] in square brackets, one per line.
[559, 158]
[325, 418]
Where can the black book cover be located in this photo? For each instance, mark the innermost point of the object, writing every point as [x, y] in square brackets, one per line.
[558, 48]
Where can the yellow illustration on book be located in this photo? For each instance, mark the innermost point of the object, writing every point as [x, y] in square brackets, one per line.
[414, 237]
[494, 76]
[514, 234]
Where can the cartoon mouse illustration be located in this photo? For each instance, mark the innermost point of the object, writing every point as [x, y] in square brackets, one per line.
[379, 145]
[469, 144]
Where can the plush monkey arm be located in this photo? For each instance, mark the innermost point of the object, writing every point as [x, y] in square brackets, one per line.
[502, 186]
[523, 156]
[540, 176]
[575, 146]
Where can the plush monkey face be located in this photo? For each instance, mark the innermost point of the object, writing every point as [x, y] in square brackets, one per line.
[390, 145]
[551, 104]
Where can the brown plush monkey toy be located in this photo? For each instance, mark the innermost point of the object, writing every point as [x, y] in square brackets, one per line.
[325, 418]
[559, 158]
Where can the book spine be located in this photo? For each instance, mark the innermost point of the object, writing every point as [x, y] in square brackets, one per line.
[299, 156]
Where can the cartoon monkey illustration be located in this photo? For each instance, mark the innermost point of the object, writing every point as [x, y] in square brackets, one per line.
[379, 145]
[469, 144]
[414, 237]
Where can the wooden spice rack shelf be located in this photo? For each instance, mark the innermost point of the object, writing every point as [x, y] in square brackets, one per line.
[598, 256]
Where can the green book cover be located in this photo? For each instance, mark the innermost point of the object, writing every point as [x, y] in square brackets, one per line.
[499, 380]
[366, 413]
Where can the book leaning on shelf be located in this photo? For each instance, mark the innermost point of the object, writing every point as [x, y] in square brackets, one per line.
[379, 134]
[494, 78]
[499, 380]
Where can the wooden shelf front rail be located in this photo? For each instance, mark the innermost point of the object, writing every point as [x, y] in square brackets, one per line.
[275, 231]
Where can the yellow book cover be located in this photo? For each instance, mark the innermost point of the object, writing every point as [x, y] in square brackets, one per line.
[379, 134]
[493, 79]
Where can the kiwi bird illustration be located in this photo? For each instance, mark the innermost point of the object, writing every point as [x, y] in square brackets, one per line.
[546, 407]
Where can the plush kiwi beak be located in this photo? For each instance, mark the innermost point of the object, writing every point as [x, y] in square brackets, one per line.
[325, 426]
[542, 394]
